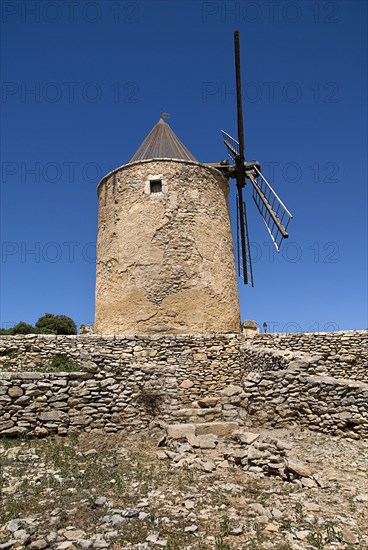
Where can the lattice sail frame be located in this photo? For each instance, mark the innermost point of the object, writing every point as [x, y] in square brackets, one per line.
[231, 144]
[274, 213]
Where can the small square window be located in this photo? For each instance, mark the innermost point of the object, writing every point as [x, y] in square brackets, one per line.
[155, 186]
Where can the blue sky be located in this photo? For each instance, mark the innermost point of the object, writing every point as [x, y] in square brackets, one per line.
[83, 83]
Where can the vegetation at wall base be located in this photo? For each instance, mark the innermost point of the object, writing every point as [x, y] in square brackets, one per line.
[61, 363]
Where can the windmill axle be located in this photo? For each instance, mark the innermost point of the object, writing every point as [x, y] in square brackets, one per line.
[248, 169]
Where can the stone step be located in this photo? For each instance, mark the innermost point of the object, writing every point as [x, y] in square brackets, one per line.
[196, 412]
[216, 428]
[181, 431]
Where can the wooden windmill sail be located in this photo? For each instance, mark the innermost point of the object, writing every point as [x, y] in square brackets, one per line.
[273, 211]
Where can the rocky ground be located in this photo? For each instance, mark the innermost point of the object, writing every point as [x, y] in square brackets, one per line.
[179, 489]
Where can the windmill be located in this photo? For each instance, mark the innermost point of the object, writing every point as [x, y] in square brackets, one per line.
[272, 210]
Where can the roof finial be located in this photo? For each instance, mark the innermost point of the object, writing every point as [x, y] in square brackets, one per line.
[165, 116]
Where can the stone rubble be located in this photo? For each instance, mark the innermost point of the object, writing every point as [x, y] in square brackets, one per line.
[254, 486]
[260, 456]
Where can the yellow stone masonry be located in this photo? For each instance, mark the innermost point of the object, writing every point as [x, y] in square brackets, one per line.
[165, 260]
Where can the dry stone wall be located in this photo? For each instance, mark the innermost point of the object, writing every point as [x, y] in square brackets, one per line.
[283, 398]
[344, 354]
[222, 354]
[125, 382]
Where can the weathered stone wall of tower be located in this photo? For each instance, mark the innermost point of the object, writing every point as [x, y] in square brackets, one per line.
[165, 261]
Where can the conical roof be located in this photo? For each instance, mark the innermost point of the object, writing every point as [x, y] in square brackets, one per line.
[162, 142]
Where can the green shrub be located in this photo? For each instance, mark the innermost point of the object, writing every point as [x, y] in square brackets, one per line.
[47, 324]
[56, 324]
[23, 328]
[61, 363]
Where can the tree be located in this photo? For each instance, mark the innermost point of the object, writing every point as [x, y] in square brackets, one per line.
[56, 324]
[22, 328]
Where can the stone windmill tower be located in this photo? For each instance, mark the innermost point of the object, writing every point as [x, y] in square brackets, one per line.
[165, 260]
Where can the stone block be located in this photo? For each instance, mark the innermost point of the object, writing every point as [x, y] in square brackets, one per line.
[208, 402]
[89, 366]
[51, 416]
[207, 441]
[297, 467]
[80, 420]
[202, 441]
[216, 428]
[246, 438]
[239, 455]
[15, 391]
[231, 390]
[6, 424]
[180, 431]
[186, 384]
[40, 431]
[193, 440]
[14, 431]
[200, 357]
